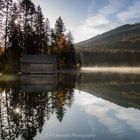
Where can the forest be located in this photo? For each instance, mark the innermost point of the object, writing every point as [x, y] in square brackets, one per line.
[25, 30]
[111, 57]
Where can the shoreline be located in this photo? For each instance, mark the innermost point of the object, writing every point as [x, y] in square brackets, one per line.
[132, 70]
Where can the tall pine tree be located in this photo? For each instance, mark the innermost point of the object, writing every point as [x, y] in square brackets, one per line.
[60, 36]
[47, 41]
[27, 10]
[59, 26]
[1, 21]
[39, 31]
[6, 8]
[60, 42]
[70, 51]
[15, 36]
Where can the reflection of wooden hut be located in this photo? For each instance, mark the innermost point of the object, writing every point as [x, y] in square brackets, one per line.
[38, 64]
[38, 82]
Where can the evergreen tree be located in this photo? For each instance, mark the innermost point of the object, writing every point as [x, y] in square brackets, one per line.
[59, 26]
[60, 36]
[39, 31]
[28, 10]
[64, 45]
[74, 57]
[53, 38]
[70, 51]
[1, 22]
[1, 7]
[30, 41]
[47, 31]
[7, 5]
[15, 37]
[52, 42]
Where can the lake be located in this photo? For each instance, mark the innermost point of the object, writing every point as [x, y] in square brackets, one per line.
[88, 105]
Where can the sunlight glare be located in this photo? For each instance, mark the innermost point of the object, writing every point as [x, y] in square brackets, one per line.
[17, 110]
[16, 21]
[3, 94]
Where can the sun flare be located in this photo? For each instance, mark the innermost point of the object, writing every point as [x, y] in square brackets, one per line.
[16, 21]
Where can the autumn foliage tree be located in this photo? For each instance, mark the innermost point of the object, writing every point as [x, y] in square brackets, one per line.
[64, 46]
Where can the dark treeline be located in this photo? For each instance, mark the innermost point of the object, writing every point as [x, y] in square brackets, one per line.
[110, 58]
[24, 30]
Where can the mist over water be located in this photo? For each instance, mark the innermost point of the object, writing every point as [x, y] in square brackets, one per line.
[135, 70]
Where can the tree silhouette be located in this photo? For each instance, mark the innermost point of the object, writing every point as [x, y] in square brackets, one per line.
[15, 43]
[27, 10]
[1, 21]
[39, 30]
[47, 39]
[6, 10]
[59, 26]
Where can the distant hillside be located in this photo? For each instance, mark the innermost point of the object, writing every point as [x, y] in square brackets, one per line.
[123, 37]
[118, 47]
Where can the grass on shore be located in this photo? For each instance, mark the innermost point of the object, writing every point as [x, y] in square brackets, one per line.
[8, 77]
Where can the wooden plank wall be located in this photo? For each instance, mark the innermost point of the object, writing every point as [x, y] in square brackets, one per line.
[38, 64]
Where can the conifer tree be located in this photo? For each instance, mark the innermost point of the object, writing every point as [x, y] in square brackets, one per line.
[53, 38]
[15, 37]
[59, 26]
[52, 42]
[7, 5]
[39, 30]
[64, 46]
[27, 10]
[70, 51]
[47, 30]
[60, 36]
[1, 22]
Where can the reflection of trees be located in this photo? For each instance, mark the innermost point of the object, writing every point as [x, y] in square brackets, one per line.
[60, 102]
[23, 114]
[7, 115]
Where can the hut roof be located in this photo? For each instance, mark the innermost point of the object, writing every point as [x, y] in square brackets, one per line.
[39, 59]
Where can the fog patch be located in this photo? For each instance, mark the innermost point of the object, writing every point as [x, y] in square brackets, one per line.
[135, 70]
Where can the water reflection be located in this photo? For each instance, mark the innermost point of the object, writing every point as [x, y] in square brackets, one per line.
[121, 89]
[23, 111]
[73, 106]
[108, 120]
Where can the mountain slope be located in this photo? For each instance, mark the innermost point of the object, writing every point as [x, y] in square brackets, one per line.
[123, 37]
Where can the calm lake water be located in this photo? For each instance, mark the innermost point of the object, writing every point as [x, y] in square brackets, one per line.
[86, 105]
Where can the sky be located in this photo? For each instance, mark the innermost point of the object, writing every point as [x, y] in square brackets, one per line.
[88, 18]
